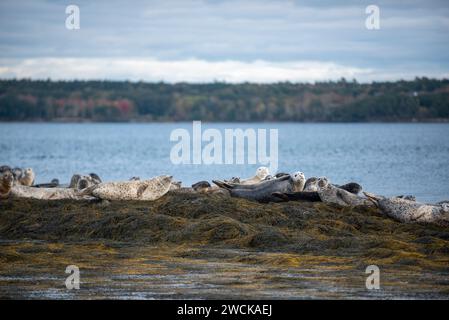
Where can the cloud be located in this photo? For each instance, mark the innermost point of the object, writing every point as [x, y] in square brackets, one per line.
[318, 39]
[192, 70]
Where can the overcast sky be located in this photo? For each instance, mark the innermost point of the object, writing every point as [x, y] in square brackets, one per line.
[233, 41]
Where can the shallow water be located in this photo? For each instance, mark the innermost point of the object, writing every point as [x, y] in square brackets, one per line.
[389, 159]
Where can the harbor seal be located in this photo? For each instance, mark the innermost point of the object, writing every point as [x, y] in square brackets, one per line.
[27, 177]
[53, 184]
[201, 186]
[404, 210]
[5, 168]
[19, 191]
[151, 189]
[206, 188]
[314, 196]
[261, 174]
[6, 183]
[334, 195]
[17, 173]
[263, 191]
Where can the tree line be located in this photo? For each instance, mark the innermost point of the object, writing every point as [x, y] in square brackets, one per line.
[421, 99]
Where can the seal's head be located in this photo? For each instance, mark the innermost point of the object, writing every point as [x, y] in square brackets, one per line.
[5, 168]
[323, 182]
[445, 207]
[298, 176]
[17, 173]
[28, 172]
[82, 183]
[262, 172]
[200, 185]
[27, 178]
[95, 178]
[165, 180]
[7, 178]
[299, 180]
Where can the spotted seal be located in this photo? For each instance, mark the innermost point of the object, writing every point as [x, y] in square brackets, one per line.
[6, 183]
[263, 191]
[27, 177]
[52, 184]
[19, 191]
[151, 189]
[206, 188]
[333, 194]
[405, 210]
[261, 174]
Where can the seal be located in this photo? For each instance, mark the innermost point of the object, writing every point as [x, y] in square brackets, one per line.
[5, 168]
[206, 188]
[151, 189]
[404, 210]
[352, 187]
[263, 191]
[317, 184]
[331, 194]
[261, 174]
[6, 183]
[27, 177]
[53, 184]
[17, 173]
[201, 186]
[19, 191]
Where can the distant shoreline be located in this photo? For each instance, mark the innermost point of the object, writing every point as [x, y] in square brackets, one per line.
[420, 100]
[429, 121]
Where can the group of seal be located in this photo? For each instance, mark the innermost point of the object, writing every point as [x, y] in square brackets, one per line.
[15, 183]
[262, 187]
[24, 177]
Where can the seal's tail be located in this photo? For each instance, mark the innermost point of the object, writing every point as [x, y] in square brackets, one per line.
[222, 184]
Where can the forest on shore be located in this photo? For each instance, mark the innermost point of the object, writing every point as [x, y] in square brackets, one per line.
[422, 99]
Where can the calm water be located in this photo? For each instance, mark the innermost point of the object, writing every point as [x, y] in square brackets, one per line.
[389, 159]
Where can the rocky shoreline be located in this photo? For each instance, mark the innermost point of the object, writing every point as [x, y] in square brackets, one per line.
[211, 246]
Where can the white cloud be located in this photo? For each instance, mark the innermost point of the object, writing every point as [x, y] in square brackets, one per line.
[192, 70]
[197, 71]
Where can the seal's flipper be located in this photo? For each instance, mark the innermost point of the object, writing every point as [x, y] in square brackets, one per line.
[222, 184]
[281, 196]
[87, 191]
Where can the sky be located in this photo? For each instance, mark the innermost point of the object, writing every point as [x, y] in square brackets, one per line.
[200, 41]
